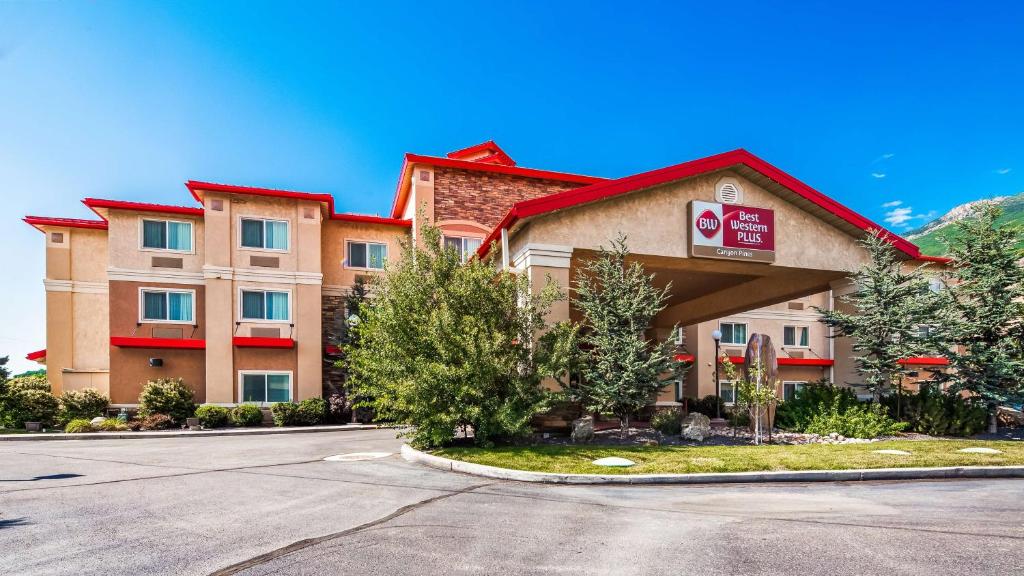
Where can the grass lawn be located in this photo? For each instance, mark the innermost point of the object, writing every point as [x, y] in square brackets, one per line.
[683, 459]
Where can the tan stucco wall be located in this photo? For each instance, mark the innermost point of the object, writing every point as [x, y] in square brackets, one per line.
[337, 233]
[130, 371]
[126, 250]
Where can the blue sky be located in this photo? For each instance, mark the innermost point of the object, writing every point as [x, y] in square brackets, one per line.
[871, 103]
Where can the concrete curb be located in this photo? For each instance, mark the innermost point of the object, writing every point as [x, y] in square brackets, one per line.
[185, 433]
[413, 455]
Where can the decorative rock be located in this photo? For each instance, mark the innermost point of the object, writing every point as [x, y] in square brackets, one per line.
[696, 426]
[613, 461]
[1009, 417]
[97, 420]
[980, 450]
[892, 452]
[583, 430]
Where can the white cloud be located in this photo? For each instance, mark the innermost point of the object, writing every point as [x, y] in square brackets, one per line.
[878, 175]
[903, 216]
[886, 156]
[1004, 171]
[892, 204]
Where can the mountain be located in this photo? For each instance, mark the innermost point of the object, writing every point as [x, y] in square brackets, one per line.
[929, 237]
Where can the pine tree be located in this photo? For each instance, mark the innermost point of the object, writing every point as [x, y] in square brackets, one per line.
[889, 304]
[621, 370]
[984, 309]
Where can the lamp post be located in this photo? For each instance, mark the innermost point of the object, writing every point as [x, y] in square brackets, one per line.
[717, 335]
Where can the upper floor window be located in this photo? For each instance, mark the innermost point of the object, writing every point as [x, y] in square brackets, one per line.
[264, 234]
[265, 305]
[464, 246]
[733, 333]
[167, 305]
[795, 336]
[167, 235]
[369, 255]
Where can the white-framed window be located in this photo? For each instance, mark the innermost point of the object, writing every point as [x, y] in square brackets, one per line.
[163, 305]
[264, 387]
[733, 333]
[796, 336]
[170, 235]
[790, 388]
[936, 284]
[926, 330]
[263, 234]
[465, 246]
[728, 392]
[678, 385]
[366, 255]
[265, 305]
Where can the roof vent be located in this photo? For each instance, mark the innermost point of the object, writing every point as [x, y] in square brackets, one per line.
[728, 191]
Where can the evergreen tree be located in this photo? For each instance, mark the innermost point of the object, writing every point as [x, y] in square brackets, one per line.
[446, 345]
[888, 306]
[984, 309]
[620, 369]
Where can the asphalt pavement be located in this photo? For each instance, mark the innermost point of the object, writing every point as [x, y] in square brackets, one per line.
[272, 505]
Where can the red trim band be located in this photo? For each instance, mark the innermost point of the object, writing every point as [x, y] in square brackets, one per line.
[252, 342]
[94, 203]
[788, 361]
[938, 259]
[182, 343]
[685, 358]
[361, 218]
[36, 356]
[925, 361]
[37, 221]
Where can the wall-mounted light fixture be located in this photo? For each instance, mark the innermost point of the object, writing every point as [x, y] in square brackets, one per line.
[156, 362]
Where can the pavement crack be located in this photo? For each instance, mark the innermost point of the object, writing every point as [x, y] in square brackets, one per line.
[306, 543]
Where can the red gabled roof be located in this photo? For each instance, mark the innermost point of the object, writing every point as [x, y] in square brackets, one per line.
[95, 204]
[37, 221]
[481, 165]
[613, 188]
[492, 154]
[37, 356]
[194, 186]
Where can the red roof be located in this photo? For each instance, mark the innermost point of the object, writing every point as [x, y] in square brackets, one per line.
[255, 342]
[613, 188]
[96, 203]
[36, 356]
[492, 154]
[37, 221]
[136, 342]
[789, 361]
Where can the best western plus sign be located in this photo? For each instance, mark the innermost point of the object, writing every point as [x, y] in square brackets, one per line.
[732, 232]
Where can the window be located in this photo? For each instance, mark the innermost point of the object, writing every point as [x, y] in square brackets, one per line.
[369, 255]
[936, 285]
[167, 306]
[679, 335]
[926, 330]
[728, 392]
[266, 387]
[167, 235]
[264, 234]
[789, 389]
[733, 333]
[795, 336]
[464, 246]
[265, 305]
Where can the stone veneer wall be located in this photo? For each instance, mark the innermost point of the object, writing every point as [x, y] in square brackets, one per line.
[485, 197]
[331, 307]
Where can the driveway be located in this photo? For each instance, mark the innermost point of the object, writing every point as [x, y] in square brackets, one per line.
[272, 505]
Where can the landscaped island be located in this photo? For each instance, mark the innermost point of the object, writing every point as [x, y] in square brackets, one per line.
[687, 460]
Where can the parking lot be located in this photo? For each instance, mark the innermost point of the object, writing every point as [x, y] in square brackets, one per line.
[272, 505]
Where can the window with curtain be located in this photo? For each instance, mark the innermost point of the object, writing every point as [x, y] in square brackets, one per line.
[369, 255]
[266, 387]
[167, 306]
[167, 235]
[733, 333]
[264, 305]
[464, 246]
[728, 392]
[795, 336]
[264, 234]
[789, 389]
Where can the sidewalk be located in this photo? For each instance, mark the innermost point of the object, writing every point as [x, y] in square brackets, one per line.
[255, 431]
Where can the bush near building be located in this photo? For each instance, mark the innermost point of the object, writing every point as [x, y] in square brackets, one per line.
[86, 403]
[932, 411]
[247, 415]
[668, 422]
[169, 397]
[212, 416]
[78, 426]
[309, 412]
[27, 399]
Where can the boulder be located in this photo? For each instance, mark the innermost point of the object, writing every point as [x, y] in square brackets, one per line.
[97, 420]
[583, 430]
[696, 426]
[1010, 418]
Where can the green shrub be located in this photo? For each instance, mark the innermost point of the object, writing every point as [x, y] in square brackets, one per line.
[932, 411]
[112, 425]
[84, 403]
[156, 422]
[668, 422]
[168, 396]
[285, 413]
[863, 421]
[79, 425]
[247, 415]
[211, 416]
[710, 406]
[27, 399]
[816, 397]
[311, 411]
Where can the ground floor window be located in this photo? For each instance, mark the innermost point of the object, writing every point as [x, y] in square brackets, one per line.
[728, 392]
[789, 389]
[266, 387]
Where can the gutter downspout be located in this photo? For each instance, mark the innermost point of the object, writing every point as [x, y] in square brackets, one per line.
[504, 249]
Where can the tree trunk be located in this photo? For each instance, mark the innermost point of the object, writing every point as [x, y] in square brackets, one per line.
[993, 421]
[624, 426]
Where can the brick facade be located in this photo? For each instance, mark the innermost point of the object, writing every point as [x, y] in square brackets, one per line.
[485, 197]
